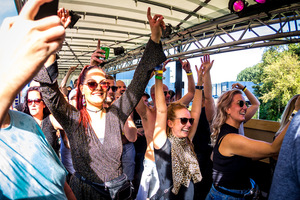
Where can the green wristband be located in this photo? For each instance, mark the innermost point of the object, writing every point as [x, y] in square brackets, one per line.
[158, 77]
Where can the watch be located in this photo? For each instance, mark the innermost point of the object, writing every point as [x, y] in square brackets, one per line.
[198, 87]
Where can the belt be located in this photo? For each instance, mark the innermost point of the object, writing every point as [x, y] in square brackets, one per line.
[248, 194]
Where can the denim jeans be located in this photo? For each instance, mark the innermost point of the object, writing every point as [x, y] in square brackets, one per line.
[216, 195]
[128, 157]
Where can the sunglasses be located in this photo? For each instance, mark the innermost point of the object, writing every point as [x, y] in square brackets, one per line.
[241, 103]
[36, 101]
[113, 88]
[184, 120]
[170, 92]
[93, 85]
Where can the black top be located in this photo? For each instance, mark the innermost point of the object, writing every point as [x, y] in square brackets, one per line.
[50, 134]
[231, 172]
[163, 162]
[93, 160]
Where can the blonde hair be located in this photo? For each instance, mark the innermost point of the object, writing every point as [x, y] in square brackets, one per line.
[290, 106]
[224, 103]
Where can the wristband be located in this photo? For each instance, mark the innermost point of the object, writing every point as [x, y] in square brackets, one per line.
[190, 73]
[245, 88]
[158, 77]
[158, 72]
[199, 87]
[293, 114]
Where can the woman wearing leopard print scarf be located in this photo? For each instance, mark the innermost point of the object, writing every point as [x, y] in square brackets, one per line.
[175, 127]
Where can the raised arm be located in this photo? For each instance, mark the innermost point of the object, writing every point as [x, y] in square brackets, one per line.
[65, 79]
[159, 135]
[95, 58]
[209, 101]
[253, 100]
[152, 56]
[130, 129]
[188, 97]
[197, 103]
[25, 46]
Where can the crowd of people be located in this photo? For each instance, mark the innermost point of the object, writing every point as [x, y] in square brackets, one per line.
[104, 140]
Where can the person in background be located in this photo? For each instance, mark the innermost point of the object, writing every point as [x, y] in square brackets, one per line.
[175, 159]
[201, 139]
[285, 184]
[121, 86]
[35, 106]
[289, 111]
[29, 167]
[232, 152]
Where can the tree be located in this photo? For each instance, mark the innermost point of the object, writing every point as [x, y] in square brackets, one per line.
[277, 78]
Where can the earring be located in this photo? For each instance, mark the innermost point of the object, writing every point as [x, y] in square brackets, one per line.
[83, 101]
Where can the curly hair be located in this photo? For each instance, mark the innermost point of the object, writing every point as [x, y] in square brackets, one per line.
[220, 117]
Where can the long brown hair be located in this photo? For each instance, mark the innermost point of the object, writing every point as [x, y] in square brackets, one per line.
[84, 116]
[224, 102]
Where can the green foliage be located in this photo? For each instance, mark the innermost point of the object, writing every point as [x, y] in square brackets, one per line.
[277, 78]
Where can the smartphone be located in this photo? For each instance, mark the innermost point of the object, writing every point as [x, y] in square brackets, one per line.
[47, 9]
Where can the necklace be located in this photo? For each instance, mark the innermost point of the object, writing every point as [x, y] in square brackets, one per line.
[95, 111]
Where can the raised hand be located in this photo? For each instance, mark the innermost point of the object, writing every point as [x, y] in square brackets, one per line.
[200, 74]
[237, 86]
[95, 60]
[64, 16]
[185, 65]
[206, 64]
[156, 25]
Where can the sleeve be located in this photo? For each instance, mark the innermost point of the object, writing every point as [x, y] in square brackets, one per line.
[153, 56]
[63, 112]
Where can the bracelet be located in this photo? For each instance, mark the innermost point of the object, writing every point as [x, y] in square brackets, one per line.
[158, 77]
[190, 73]
[199, 87]
[158, 72]
[292, 115]
[245, 88]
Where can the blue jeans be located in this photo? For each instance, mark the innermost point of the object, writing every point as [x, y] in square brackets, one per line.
[128, 157]
[216, 195]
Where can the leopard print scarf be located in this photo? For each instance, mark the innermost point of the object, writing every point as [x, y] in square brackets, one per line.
[184, 163]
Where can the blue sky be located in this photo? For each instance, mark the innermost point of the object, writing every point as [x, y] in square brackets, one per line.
[8, 9]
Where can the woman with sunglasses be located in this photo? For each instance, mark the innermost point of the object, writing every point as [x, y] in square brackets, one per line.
[35, 106]
[175, 159]
[94, 132]
[232, 153]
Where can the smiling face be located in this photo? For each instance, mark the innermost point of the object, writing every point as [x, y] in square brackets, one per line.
[236, 113]
[110, 96]
[35, 104]
[177, 128]
[121, 87]
[94, 97]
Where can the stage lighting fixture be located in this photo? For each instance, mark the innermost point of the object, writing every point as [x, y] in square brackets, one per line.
[260, 1]
[236, 6]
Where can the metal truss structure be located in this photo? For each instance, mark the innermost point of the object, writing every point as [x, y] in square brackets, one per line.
[229, 33]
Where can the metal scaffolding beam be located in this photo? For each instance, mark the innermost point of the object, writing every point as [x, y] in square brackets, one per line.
[228, 33]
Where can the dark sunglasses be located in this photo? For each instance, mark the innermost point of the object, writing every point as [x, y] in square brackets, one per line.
[113, 88]
[242, 103]
[170, 92]
[184, 120]
[36, 101]
[93, 85]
